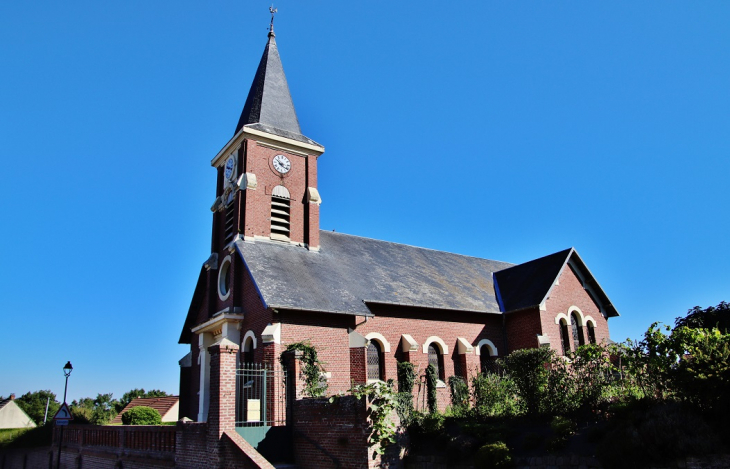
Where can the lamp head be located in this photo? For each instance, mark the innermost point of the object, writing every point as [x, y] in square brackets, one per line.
[67, 369]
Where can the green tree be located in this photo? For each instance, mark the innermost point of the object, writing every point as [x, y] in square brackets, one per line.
[127, 397]
[34, 404]
[98, 411]
[713, 316]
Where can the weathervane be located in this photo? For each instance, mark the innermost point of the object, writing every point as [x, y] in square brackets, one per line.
[272, 10]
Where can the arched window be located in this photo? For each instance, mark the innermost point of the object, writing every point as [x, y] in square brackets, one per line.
[375, 361]
[577, 330]
[436, 359]
[280, 210]
[247, 351]
[485, 359]
[564, 337]
[591, 333]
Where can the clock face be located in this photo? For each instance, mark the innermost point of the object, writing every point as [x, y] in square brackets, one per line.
[282, 164]
[230, 167]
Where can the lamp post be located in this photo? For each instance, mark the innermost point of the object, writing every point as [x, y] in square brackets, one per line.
[67, 369]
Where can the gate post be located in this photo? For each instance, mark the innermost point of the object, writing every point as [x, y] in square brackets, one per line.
[222, 412]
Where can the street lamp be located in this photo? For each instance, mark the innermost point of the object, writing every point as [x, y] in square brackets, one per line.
[67, 369]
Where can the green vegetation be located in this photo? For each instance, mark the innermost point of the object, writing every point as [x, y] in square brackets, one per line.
[635, 404]
[314, 383]
[142, 415]
[34, 404]
[431, 382]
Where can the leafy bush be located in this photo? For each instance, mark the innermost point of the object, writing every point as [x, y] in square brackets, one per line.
[141, 415]
[431, 381]
[655, 434]
[459, 395]
[528, 368]
[34, 404]
[382, 399]
[493, 455]
[494, 395]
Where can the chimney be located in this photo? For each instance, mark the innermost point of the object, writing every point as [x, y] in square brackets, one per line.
[12, 397]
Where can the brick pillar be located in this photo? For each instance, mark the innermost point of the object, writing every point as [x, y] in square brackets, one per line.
[358, 365]
[222, 410]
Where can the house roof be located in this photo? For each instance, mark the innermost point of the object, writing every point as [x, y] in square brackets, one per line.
[160, 404]
[350, 272]
[4, 402]
[269, 106]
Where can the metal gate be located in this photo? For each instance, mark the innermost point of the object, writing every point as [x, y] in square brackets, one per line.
[261, 405]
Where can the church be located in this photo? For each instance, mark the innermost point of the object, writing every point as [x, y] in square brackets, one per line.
[274, 278]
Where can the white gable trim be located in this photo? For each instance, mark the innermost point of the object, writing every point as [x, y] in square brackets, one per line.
[589, 320]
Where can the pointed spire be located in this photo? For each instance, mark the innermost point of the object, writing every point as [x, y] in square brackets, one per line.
[269, 106]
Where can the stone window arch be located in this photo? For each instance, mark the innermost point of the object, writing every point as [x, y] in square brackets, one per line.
[375, 360]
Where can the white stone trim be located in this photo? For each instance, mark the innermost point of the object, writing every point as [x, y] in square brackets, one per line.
[441, 343]
[272, 333]
[224, 267]
[223, 324]
[356, 340]
[248, 334]
[589, 319]
[463, 346]
[562, 316]
[577, 310]
[488, 343]
[380, 339]
[408, 344]
[268, 139]
[281, 191]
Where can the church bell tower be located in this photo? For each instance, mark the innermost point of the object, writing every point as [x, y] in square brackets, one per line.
[267, 173]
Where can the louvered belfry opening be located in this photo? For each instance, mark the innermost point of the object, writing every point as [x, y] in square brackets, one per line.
[374, 360]
[230, 221]
[280, 213]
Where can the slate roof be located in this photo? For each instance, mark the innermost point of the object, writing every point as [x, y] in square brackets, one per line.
[349, 272]
[4, 402]
[269, 106]
[160, 404]
[525, 285]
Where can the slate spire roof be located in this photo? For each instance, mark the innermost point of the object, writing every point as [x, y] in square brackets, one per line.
[269, 106]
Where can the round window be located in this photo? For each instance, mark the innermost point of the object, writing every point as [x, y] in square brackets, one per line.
[224, 279]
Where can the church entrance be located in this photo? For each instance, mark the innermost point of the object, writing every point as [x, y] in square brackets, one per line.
[262, 410]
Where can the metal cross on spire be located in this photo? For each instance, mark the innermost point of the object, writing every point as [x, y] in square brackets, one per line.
[273, 11]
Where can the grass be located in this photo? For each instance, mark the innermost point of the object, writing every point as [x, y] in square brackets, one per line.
[8, 435]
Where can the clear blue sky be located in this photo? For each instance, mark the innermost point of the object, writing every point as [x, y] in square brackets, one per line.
[506, 130]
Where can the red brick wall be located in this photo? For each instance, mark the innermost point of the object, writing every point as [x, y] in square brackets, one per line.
[522, 329]
[258, 202]
[358, 365]
[327, 434]
[570, 292]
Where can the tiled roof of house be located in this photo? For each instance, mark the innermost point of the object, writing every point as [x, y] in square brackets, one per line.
[160, 404]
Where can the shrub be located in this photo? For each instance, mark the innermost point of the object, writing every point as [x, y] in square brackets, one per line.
[658, 434]
[528, 369]
[459, 395]
[431, 381]
[494, 395]
[141, 415]
[315, 385]
[493, 455]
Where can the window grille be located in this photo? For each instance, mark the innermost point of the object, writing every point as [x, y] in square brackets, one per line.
[374, 359]
[564, 338]
[577, 331]
[434, 358]
[591, 333]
